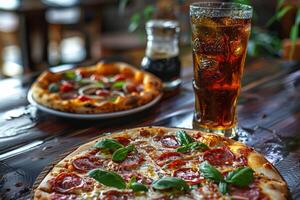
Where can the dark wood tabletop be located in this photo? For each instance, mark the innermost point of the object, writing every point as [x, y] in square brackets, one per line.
[269, 120]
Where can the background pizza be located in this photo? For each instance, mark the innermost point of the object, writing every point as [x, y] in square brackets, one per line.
[96, 89]
[163, 163]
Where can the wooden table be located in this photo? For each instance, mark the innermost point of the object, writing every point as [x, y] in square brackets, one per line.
[269, 115]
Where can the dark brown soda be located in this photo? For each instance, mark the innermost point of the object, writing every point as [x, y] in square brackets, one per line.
[219, 52]
[167, 69]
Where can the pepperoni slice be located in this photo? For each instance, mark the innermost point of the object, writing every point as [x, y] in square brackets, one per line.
[83, 98]
[167, 157]
[163, 198]
[56, 196]
[219, 156]
[188, 174]
[169, 141]
[149, 148]
[132, 161]
[102, 92]
[117, 195]
[83, 73]
[68, 183]
[131, 87]
[123, 140]
[176, 163]
[252, 192]
[119, 77]
[87, 163]
[66, 86]
[197, 135]
[145, 133]
[69, 95]
[96, 77]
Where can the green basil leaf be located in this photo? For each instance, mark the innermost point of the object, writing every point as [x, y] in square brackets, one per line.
[85, 81]
[118, 84]
[108, 178]
[99, 84]
[210, 172]
[112, 99]
[110, 144]
[184, 138]
[71, 75]
[223, 187]
[241, 177]
[138, 187]
[194, 186]
[88, 81]
[53, 87]
[183, 149]
[121, 154]
[192, 146]
[132, 180]
[199, 145]
[170, 183]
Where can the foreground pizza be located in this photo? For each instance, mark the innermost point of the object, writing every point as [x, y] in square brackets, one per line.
[163, 163]
[96, 89]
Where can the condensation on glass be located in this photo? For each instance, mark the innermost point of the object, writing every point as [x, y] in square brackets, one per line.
[162, 52]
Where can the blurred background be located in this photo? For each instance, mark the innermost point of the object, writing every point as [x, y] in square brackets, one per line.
[38, 34]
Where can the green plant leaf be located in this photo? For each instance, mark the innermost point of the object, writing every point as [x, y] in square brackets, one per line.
[148, 11]
[122, 6]
[223, 187]
[110, 179]
[240, 177]
[135, 21]
[279, 14]
[279, 4]
[121, 154]
[210, 172]
[297, 20]
[184, 138]
[110, 144]
[170, 183]
[295, 28]
[294, 33]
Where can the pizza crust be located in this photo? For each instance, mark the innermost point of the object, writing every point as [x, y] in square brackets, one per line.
[272, 184]
[151, 84]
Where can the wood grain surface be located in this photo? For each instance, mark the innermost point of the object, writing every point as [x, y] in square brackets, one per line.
[269, 120]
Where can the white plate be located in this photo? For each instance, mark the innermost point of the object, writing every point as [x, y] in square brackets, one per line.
[91, 116]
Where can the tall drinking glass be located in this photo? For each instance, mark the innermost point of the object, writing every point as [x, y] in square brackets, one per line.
[220, 33]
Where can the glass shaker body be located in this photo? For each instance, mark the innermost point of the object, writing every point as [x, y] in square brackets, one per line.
[162, 52]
